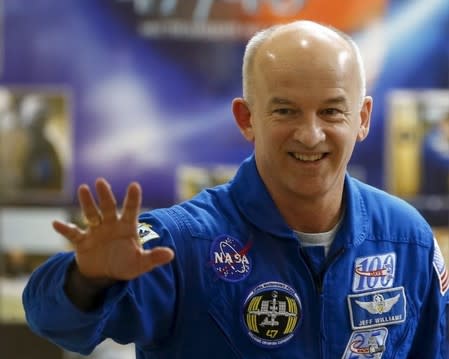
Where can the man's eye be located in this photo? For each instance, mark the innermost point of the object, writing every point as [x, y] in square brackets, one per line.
[284, 111]
[332, 111]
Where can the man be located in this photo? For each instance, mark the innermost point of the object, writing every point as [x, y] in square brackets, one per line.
[291, 259]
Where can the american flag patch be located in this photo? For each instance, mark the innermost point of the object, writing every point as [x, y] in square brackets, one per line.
[440, 268]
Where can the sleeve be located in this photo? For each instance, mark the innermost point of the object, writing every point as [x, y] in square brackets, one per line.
[140, 311]
[431, 339]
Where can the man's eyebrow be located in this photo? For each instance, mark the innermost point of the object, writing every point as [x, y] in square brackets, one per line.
[280, 101]
[332, 100]
[336, 100]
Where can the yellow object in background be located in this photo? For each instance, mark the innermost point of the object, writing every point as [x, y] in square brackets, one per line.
[403, 146]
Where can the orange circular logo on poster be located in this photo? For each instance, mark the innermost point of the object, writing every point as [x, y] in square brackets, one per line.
[346, 15]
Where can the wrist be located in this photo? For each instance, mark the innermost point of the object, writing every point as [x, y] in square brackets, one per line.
[85, 293]
[89, 283]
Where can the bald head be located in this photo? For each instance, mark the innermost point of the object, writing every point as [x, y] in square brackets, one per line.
[306, 43]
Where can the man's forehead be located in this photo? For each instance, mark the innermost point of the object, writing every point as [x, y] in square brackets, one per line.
[306, 69]
[307, 78]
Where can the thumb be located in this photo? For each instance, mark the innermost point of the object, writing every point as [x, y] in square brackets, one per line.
[156, 257]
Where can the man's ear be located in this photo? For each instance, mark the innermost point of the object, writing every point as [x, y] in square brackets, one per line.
[365, 118]
[242, 116]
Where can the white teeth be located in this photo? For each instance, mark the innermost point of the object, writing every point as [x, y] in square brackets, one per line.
[304, 157]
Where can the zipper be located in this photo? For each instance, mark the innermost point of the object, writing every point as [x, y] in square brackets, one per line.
[319, 277]
[317, 280]
[317, 286]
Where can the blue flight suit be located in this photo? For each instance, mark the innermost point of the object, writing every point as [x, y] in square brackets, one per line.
[241, 285]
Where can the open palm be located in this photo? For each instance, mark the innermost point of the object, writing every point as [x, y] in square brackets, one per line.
[109, 248]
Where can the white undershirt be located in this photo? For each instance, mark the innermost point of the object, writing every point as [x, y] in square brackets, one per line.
[324, 239]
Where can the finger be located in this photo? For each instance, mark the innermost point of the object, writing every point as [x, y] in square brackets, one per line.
[69, 231]
[88, 205]
[131, 203]
[106, 200]
[156, 257]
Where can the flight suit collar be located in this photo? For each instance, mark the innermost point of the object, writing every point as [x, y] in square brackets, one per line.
[254, 202]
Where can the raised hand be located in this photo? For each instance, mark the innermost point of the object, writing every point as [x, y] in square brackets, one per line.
[109, 248]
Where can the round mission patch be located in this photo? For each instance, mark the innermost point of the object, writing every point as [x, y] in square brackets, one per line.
[271, 313]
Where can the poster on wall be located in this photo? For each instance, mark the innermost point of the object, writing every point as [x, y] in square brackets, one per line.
[151, 81]
[417, 148]
[238, 19]
[35, 145]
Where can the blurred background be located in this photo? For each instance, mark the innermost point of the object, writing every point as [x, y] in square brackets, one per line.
[141, 90]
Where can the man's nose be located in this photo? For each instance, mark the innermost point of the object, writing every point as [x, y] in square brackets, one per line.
[309, 132]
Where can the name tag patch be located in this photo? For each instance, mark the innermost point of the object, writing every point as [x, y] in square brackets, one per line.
[378, 308]
[374, 272]
[366, 344]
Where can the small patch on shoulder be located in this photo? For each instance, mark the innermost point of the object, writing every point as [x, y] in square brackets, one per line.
[146, 233]
[440, 268]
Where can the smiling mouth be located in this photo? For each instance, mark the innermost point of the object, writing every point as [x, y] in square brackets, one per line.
[307, 157]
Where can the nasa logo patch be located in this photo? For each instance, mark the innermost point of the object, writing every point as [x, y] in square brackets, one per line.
[374, 272]
[366, 344]
[271, 313]
[230, 258]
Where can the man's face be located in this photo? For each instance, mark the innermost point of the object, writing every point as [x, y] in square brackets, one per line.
[305, 117]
